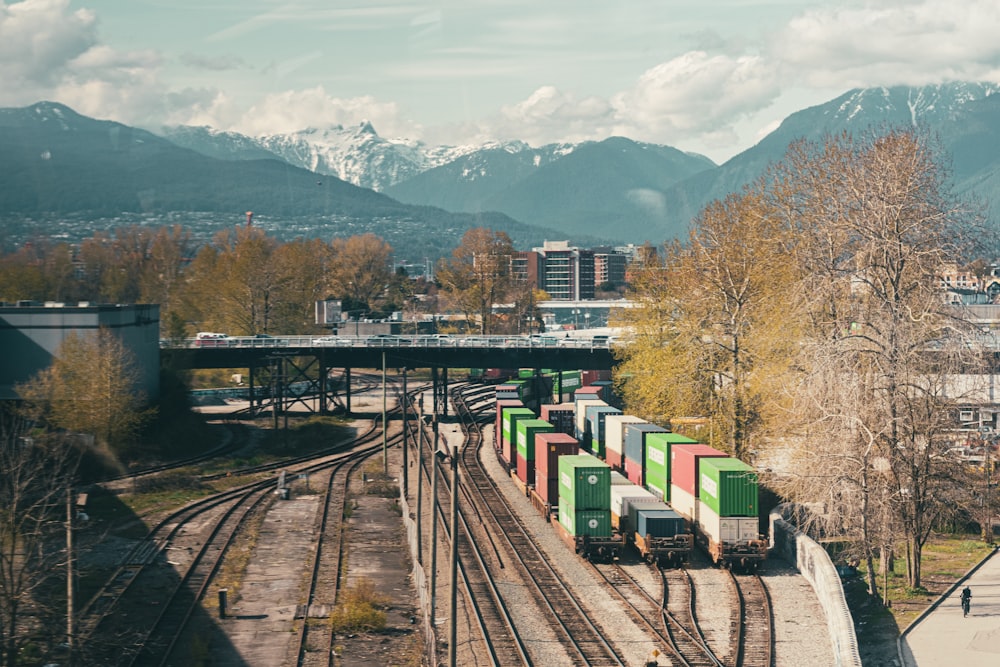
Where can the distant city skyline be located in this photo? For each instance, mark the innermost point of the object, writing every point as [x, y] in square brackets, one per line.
[706, 76]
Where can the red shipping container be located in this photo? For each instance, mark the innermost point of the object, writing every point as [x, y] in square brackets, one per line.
[613, 459]
[635, 472]
[548, 448]
[498, 427]
[588, 377]
[684, 465]
[525, 470]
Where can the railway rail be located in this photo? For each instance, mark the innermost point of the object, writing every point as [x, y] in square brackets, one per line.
[755, 640]
[582, 638]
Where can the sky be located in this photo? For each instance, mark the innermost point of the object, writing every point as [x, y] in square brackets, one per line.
[706, 76]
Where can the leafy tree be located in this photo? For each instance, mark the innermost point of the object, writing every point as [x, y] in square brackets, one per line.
[359, 269]
[91, 388]
[478, 275]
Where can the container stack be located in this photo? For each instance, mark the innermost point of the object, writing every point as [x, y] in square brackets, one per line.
[728, 501]
[658, 461]
[549, 447]
[585, 496]
[595, 425]
[684, 478]
[526, 431]
[503, 404]
[564, 383]
[635, 450]
[614, 438]
[620, 495]
[509, 436]
[582, 431]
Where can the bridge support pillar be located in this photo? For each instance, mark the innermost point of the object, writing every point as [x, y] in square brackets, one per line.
[444, 391]
[347, 389]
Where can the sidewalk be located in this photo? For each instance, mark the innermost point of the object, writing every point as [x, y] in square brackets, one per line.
[944, 637]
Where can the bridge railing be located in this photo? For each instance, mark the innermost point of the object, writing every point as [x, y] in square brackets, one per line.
[389, 341]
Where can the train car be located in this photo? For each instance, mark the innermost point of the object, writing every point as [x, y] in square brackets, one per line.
[595, 415]
[584, 508]
[661, 536]
[526, 431]
[582, 432]
[564, 383]
[728, 524]
[548, 448]
[508, 445]
[560, 415]
[635, 450]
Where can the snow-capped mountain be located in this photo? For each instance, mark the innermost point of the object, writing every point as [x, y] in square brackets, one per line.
[355, 154]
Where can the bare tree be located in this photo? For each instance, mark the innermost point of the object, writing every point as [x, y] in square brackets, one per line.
[37, 471]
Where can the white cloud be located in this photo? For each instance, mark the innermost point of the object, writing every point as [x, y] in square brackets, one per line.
[291, 111]
[38, 41]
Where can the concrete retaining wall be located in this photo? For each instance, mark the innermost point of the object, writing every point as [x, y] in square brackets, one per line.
[420, 581]
[812, 561]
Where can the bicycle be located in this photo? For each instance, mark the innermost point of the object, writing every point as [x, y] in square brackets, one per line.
[966, 603]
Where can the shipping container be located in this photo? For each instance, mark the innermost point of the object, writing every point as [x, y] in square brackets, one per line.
[622, 492]
[526, 430]
[524, 470]
[584, 482]
[727, 529]
[636, 472]
[587, 393]
[498, 427]
[589, 377]
[658, 461]
[728, 486]
[633, 505]
[659, 522]
[614, 437]
[548, 448]
[607, 390]
[510, 419]
[618, 478]
[635, 441]
[595, 419]
[684, 502]
[582, 432]
[561, 416]
[590, 523]
[564, 383]
[684, 465]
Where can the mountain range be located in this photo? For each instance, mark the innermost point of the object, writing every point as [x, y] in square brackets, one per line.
[616, 190]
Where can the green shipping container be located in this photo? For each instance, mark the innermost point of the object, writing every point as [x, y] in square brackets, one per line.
[510, 418]
[584, 482]
[658, 460]
[526, 430]
[728, 486]
[592, 523]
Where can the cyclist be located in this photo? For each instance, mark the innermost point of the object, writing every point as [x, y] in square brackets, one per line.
[966, 600]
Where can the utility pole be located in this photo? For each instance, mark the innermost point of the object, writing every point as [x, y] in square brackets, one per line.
[406, 422]
[385, 424]
[453, 603]
[70, 602]
[434, 523]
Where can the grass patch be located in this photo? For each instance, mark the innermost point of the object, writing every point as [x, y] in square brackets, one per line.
[379, 483]
[359, 609]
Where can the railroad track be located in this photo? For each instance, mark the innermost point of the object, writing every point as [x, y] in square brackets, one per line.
[583, 640]
[115, 625]
[755, 631]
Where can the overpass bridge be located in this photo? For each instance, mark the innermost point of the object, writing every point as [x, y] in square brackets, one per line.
[310, 359]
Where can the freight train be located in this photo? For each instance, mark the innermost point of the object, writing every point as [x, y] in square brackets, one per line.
[609, 482]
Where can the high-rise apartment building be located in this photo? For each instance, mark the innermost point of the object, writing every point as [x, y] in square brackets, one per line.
[565, 272]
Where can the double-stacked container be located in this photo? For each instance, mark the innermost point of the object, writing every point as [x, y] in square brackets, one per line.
[564, 383]
[549, 447]
[526, 431]
[620, 495]
[509, 435]
[585, 496]
[587, 393]
[635, 450]
[658, 461]
[614, 438]
[582, 432]
[503, 404]
[728, 501]
[561, 416]
[595, 425]
[685, 480]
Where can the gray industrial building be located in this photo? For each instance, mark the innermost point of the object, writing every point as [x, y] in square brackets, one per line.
[31, 333]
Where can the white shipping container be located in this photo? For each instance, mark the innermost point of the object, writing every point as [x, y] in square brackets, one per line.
[581, 414]
[614, 431]
[620, 492]
[618, 478]
[726, 529]
[684, 502]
